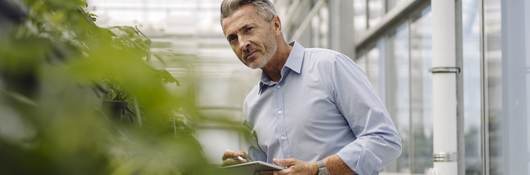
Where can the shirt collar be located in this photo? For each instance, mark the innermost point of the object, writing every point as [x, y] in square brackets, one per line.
[294, 63]
[296, 57]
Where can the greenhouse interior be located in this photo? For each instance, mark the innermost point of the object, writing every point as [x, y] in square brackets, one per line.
[154, 87]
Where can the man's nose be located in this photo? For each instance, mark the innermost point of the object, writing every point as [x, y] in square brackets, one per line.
[244, 46]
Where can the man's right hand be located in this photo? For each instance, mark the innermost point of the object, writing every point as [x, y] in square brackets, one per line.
[234, 157]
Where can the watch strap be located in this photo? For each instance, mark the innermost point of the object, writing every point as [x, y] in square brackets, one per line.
[322, 169]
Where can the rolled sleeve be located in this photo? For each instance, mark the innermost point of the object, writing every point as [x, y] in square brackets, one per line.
[373, 149]
[378, 141]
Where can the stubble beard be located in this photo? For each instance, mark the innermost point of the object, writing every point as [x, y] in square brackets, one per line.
[262, 61]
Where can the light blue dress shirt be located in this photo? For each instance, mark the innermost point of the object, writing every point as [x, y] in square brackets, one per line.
[322, 105]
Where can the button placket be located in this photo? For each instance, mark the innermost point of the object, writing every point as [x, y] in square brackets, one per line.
[283, 139]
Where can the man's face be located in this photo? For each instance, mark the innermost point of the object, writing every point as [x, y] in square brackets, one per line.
[252, 38]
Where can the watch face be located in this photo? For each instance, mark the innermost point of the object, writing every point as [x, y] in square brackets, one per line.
[323, 171]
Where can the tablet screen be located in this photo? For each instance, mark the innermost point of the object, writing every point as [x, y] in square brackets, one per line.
[252, 167]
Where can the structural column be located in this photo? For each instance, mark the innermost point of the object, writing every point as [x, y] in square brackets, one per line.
[514, 121]
[445, 81]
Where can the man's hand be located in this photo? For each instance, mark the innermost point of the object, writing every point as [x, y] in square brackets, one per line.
[234, 157]
[296, 167]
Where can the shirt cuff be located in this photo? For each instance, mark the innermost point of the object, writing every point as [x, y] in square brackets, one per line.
[360, 160]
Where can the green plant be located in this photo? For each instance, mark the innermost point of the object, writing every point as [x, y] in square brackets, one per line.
[80, 99]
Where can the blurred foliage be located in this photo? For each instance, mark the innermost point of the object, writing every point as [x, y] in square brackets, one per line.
[76, 98]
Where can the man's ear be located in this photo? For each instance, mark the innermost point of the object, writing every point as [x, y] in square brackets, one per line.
[277, 24]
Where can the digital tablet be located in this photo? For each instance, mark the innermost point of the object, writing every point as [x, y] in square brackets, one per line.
[253, 167]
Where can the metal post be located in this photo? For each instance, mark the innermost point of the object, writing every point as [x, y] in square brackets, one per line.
[341, 26]
[445, 101]
[484, 117]
[367, 10]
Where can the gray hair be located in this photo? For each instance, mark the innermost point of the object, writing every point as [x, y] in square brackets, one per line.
[265, 8]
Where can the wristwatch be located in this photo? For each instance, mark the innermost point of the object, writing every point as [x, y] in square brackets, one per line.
[322, 169]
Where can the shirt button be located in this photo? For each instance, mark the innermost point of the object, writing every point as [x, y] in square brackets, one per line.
[280, 112]
[277, 86]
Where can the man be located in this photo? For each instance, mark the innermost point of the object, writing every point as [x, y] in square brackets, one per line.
[314, 110]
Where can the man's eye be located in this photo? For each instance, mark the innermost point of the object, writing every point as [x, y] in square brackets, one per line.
[231, 39]
[249, 29]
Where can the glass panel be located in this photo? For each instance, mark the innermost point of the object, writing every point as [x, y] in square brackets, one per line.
[222, 139]
[320, 25]
[492, 54]
[372, 65]
[157, 16]
[359, 18]
[361, 62]
[183, 30]
[324, 27]
[315, 31]
[398, 96]
[390, 4]
[376, 10]
[421, 93]
[209, 96]
[472, 97]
